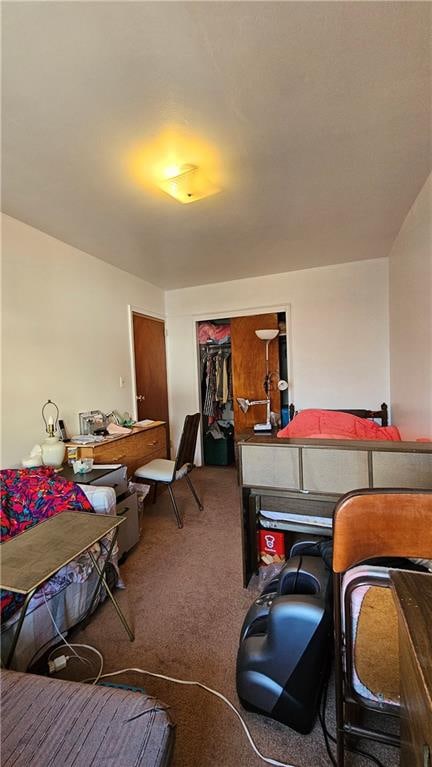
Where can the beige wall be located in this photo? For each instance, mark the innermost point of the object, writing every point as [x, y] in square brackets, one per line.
[65, 333]
[338, 335]
[411, 320]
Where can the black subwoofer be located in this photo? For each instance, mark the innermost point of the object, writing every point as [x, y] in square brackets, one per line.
[285, 644]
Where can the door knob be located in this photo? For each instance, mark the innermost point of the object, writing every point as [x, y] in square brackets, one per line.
[140, 397]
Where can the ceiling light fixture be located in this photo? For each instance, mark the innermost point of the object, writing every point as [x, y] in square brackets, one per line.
[187, 183]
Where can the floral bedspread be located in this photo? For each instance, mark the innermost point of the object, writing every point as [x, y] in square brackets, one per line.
[29, 496]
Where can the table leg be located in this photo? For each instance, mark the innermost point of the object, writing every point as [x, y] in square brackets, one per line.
[108, 557]
[101, 580]
[18, 628]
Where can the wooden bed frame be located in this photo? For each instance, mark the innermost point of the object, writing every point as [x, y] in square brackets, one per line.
[382, 414]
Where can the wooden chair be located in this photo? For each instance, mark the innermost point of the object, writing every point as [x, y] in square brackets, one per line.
[168, 472]
[368, 524]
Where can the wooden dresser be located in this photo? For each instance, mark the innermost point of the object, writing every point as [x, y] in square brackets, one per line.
[142, 445]
[413, 597]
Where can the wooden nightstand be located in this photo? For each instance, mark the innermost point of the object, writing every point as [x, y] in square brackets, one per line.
[127, 507]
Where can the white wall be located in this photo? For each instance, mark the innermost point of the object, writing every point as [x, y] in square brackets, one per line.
[65, 333]
[339, 333]
[411, 320]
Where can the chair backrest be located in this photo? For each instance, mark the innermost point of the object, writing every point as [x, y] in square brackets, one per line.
[186, 450]
[382, 523]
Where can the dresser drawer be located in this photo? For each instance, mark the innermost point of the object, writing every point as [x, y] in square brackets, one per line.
[128, 534]
[151, 441]
[148, 445]
[117, 451]
[133, 450]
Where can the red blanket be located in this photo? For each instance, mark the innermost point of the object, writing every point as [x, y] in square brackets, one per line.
[327, 424]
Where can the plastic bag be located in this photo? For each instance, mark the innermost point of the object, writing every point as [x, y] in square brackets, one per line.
[141, 490]
[268, 572]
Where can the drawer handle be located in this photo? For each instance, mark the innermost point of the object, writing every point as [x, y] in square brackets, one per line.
[151, 444]
[118, 457]
[123, 511]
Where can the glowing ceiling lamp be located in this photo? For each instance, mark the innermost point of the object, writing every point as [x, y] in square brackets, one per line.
[187, 183]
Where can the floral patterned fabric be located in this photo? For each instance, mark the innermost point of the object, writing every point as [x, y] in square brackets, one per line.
[29, 496]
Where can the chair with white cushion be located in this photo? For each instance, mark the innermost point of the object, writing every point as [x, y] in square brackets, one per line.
[168, 472]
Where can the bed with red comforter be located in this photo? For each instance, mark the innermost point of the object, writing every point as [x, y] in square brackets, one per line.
[332, 424]
[28, 497]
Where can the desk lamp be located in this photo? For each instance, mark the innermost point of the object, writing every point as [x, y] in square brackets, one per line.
[53, 449]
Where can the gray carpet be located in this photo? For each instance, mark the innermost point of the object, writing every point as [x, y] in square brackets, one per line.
[186, 601]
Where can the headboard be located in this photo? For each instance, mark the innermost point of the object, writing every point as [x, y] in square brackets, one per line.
[382, 414]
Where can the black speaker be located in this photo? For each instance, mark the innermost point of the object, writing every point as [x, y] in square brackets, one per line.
[285, 644]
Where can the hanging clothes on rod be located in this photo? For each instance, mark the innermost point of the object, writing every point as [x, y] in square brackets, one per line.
[221, 378]
[216, 378]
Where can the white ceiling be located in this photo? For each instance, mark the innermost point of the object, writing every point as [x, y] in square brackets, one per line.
[318, 115]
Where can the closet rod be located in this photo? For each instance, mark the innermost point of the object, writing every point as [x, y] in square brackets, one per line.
[210, 345]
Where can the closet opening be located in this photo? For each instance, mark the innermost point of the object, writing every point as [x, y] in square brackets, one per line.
[216, 391]
[237, 364]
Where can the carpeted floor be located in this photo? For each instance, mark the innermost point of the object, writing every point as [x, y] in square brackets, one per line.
[186, 601]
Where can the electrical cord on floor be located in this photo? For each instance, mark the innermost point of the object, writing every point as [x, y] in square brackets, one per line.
[219, 695]
[53, 667]
[329, 737]
[268, 760]
[75, 656]
[64, 640]
[321, 716]
[46, 644]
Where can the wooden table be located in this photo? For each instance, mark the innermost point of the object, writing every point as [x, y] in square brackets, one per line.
[30, 558]
[413, 596]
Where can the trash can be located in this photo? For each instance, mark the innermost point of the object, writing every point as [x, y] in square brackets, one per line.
[219, 452]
